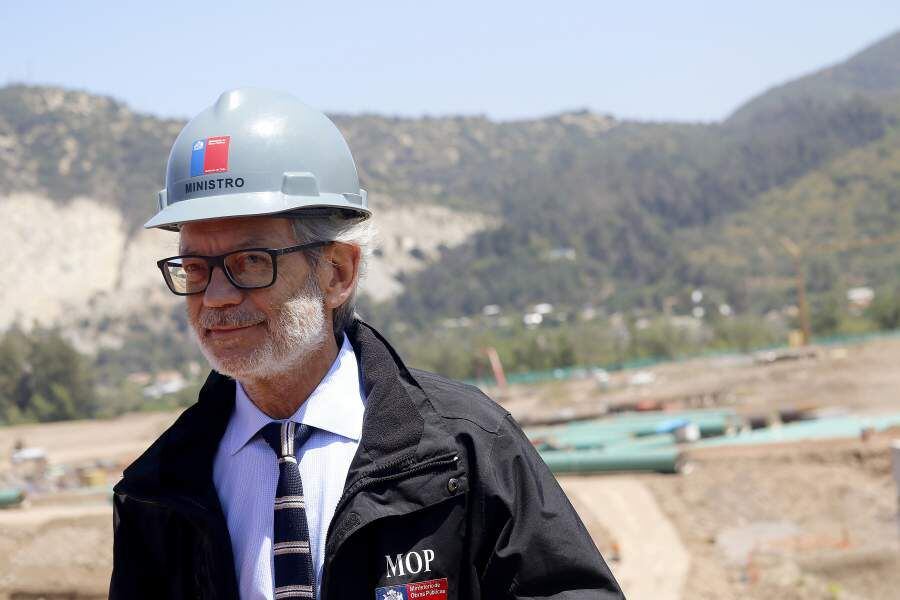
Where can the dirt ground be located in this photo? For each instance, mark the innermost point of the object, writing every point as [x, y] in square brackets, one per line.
[72, 442]
[810, 520]
[860, 378]
[639, 542]
[805, 520]
[795, 521]
[56, 553]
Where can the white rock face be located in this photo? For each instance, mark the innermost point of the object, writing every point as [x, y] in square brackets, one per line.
[55, 258]
[63, 262]
[408, 238]
[138, 263]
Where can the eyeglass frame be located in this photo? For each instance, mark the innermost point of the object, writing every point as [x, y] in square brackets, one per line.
[219, 261]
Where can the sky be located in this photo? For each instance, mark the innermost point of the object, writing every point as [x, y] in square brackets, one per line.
[684, 61]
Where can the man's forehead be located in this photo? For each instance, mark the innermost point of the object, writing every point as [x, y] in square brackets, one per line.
[196, 246]
[234, 233]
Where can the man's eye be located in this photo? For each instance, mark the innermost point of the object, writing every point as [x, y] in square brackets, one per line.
[194, 268]
[244, 262]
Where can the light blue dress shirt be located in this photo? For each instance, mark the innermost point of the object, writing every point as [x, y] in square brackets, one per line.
[245, 471]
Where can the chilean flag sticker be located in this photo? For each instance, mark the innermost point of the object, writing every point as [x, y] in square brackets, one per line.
[210, 155]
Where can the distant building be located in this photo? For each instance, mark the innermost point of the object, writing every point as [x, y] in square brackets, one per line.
[140, 378]
[561, 254]
[533, 319]
[166, 382]
[860, 297]
[543, 308]
[491, 310]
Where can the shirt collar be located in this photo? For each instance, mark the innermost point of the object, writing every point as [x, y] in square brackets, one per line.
[335, 405]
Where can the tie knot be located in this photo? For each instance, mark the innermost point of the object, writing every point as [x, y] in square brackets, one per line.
[285, 437]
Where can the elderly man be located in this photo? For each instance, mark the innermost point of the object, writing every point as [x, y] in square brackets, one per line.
[315, 463]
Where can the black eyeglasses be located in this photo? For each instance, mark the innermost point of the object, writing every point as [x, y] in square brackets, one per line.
[248, 269]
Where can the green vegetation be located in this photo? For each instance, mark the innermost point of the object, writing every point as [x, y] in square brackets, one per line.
[844, 216]
[619, 218]
[635, 206]
[43, 378]
[459, 351]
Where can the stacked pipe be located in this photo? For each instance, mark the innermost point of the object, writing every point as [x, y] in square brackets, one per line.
[628, 441]
[654, 441]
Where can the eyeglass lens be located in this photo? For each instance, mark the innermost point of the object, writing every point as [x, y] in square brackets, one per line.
[249, 269]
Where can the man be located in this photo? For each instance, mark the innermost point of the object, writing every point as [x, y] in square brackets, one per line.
[315, 464]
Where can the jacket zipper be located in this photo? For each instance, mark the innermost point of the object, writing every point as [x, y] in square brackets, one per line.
[369, 481]
[172, 501]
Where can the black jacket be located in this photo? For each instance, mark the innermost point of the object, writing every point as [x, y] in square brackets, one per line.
[444, 485]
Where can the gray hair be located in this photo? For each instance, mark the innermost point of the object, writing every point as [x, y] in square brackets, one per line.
[358, 231]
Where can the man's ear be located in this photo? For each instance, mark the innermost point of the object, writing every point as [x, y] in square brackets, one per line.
[339, 273]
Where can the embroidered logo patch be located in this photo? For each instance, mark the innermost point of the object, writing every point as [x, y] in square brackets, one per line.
[395, 592]
[433, 589]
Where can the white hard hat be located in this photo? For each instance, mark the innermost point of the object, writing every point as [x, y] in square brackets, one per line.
[258, 152]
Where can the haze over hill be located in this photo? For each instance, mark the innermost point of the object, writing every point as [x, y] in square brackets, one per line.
[573, 209]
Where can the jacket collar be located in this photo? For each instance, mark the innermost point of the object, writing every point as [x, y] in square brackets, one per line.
[398, 415]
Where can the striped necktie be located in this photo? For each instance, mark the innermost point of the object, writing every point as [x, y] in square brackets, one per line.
[294, 576]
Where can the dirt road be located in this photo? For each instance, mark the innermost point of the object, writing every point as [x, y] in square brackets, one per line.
[70, 442]
[653, 563]
[56, 552]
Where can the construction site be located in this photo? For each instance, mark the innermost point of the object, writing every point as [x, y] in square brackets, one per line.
[693, 316]
[738, 476]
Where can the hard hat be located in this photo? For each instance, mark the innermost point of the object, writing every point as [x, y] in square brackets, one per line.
[257, 152]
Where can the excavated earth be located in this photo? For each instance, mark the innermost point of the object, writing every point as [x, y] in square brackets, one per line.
[793, 521]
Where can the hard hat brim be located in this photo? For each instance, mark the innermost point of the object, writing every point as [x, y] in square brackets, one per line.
[252, 204]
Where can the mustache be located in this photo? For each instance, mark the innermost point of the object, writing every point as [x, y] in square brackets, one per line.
[209, 319]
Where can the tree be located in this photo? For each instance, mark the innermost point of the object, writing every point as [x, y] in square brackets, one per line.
[43, 378]
[885, 309]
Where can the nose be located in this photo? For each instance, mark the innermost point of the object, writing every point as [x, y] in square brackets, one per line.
[220, 292]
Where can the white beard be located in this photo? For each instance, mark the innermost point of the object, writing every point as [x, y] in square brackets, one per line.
[298, 332]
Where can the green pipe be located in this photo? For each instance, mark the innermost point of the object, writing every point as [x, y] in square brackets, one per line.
[710, 423]
[597, 461]
[699, 413]
[586, 440]
[599, 435]
[644, 418]
[836, 427]
[641, 444]
[639, 421]
[11, 497]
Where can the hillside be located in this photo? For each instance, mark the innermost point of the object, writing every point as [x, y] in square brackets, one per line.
[874, 72]
[626, 203]
[572, 209]
[63, 144]
[93, 167]
[837, 214]
[613, 207]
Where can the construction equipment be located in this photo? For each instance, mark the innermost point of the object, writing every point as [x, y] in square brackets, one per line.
[799, 254]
